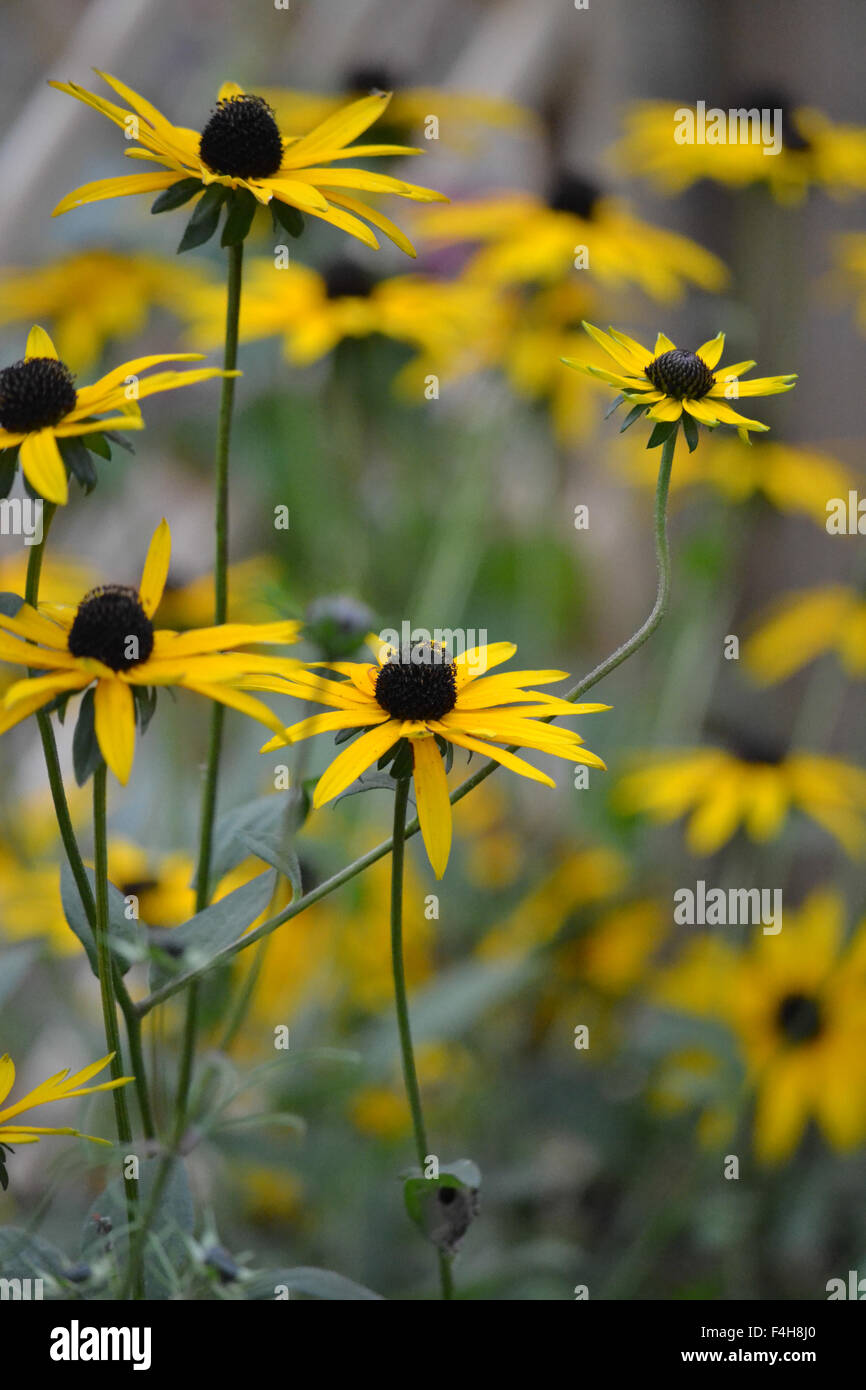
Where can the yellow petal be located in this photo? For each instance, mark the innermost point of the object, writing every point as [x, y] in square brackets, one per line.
[711, 351]
[434, 808]
[229, 90]
[354, 760]
[155, 570]
[473, 663]
[500, 755]
[43, 467]
[115, 726]
[122, 187]
[378, 219]
[39, 344]
[337, 130]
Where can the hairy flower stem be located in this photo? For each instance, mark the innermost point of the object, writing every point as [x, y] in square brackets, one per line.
[73, 853]
[372, 856]
[109, 1004]
[221, 561]
[410, 1074]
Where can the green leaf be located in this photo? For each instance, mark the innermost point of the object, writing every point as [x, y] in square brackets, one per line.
[126, 935]
[274, 850]
[203, 223]
[167, 1251]
[177, 195]
[27, 1256]
[662, 431]
[287, 217]
[277, 815]
[691, 431]
[241, 210]
[369, 782]
[86, 753]
[197, 941]
[634, 414]
[311, 1282]
[77, 459]
[97, 444]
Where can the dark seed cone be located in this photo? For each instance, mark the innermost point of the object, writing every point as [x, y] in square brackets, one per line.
[242, 139]
[420, 684]
[681, 374]
[35, 393]
[799, 1018]
[112, 626]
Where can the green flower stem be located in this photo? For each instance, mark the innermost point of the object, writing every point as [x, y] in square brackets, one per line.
[73, 853]
[221, 562]
[106, 985]
[410, 1074]
[372, 856]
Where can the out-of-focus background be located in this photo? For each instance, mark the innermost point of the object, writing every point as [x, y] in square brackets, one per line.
[432, 451]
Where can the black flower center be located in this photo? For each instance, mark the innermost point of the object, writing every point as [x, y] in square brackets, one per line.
[242, 139]
[344, 277]
[35, 393]
[681, 374]
[571, 193]
[798, 1018]
[420, 683]
[771, 101]
[112, 626]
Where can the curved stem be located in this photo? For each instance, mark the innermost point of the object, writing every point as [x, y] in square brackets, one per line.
[407, 1054]
[211, 779]
[604, 668]
[70, 843]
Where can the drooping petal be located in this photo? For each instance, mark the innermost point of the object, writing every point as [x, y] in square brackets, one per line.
[434, 808]
[123, 186]
[43, 466]
[500, 755]
[114, 712]
[355, 759]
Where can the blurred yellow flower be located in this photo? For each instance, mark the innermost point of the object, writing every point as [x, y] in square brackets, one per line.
[796, 1002]
[803, 626]
[792, 479]
[96, 297]
[382, 1111]
[849, 276]
[581, 877]
[815, 151]
[255, 595]
[756, 790]
[527, 239]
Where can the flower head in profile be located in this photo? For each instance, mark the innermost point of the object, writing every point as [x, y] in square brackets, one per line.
[242, 159]
[796, 1003]
[419, 694]
[671, 384]
[109, 642]
[524, 238]
[61, 1086]
[754, 788]
[52, 425]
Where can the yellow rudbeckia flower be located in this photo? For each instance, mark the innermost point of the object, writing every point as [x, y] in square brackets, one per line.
[525, 238]
[110, 642]
[670, 380]
[802, 627]
[419, 694]
[796, 1002]
[757, 790]
[40, 407]
[241, 148]
[61, 1086]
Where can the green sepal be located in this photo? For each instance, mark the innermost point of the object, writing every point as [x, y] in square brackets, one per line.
[97, 444]
[691, 431]
[616, 405]
[206, 215]
[10, 604]
[76, 456]
[239, 218]
[287, 217]
[144, 703]
[177, 195]
[86, 754]
[634, 414]
[662, 431]
[118, 439]
[447, 751]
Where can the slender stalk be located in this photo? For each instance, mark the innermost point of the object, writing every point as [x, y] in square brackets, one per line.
[70, 843]
[106, 986]
[404, 1027]
[604, 668]
[221, 560]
